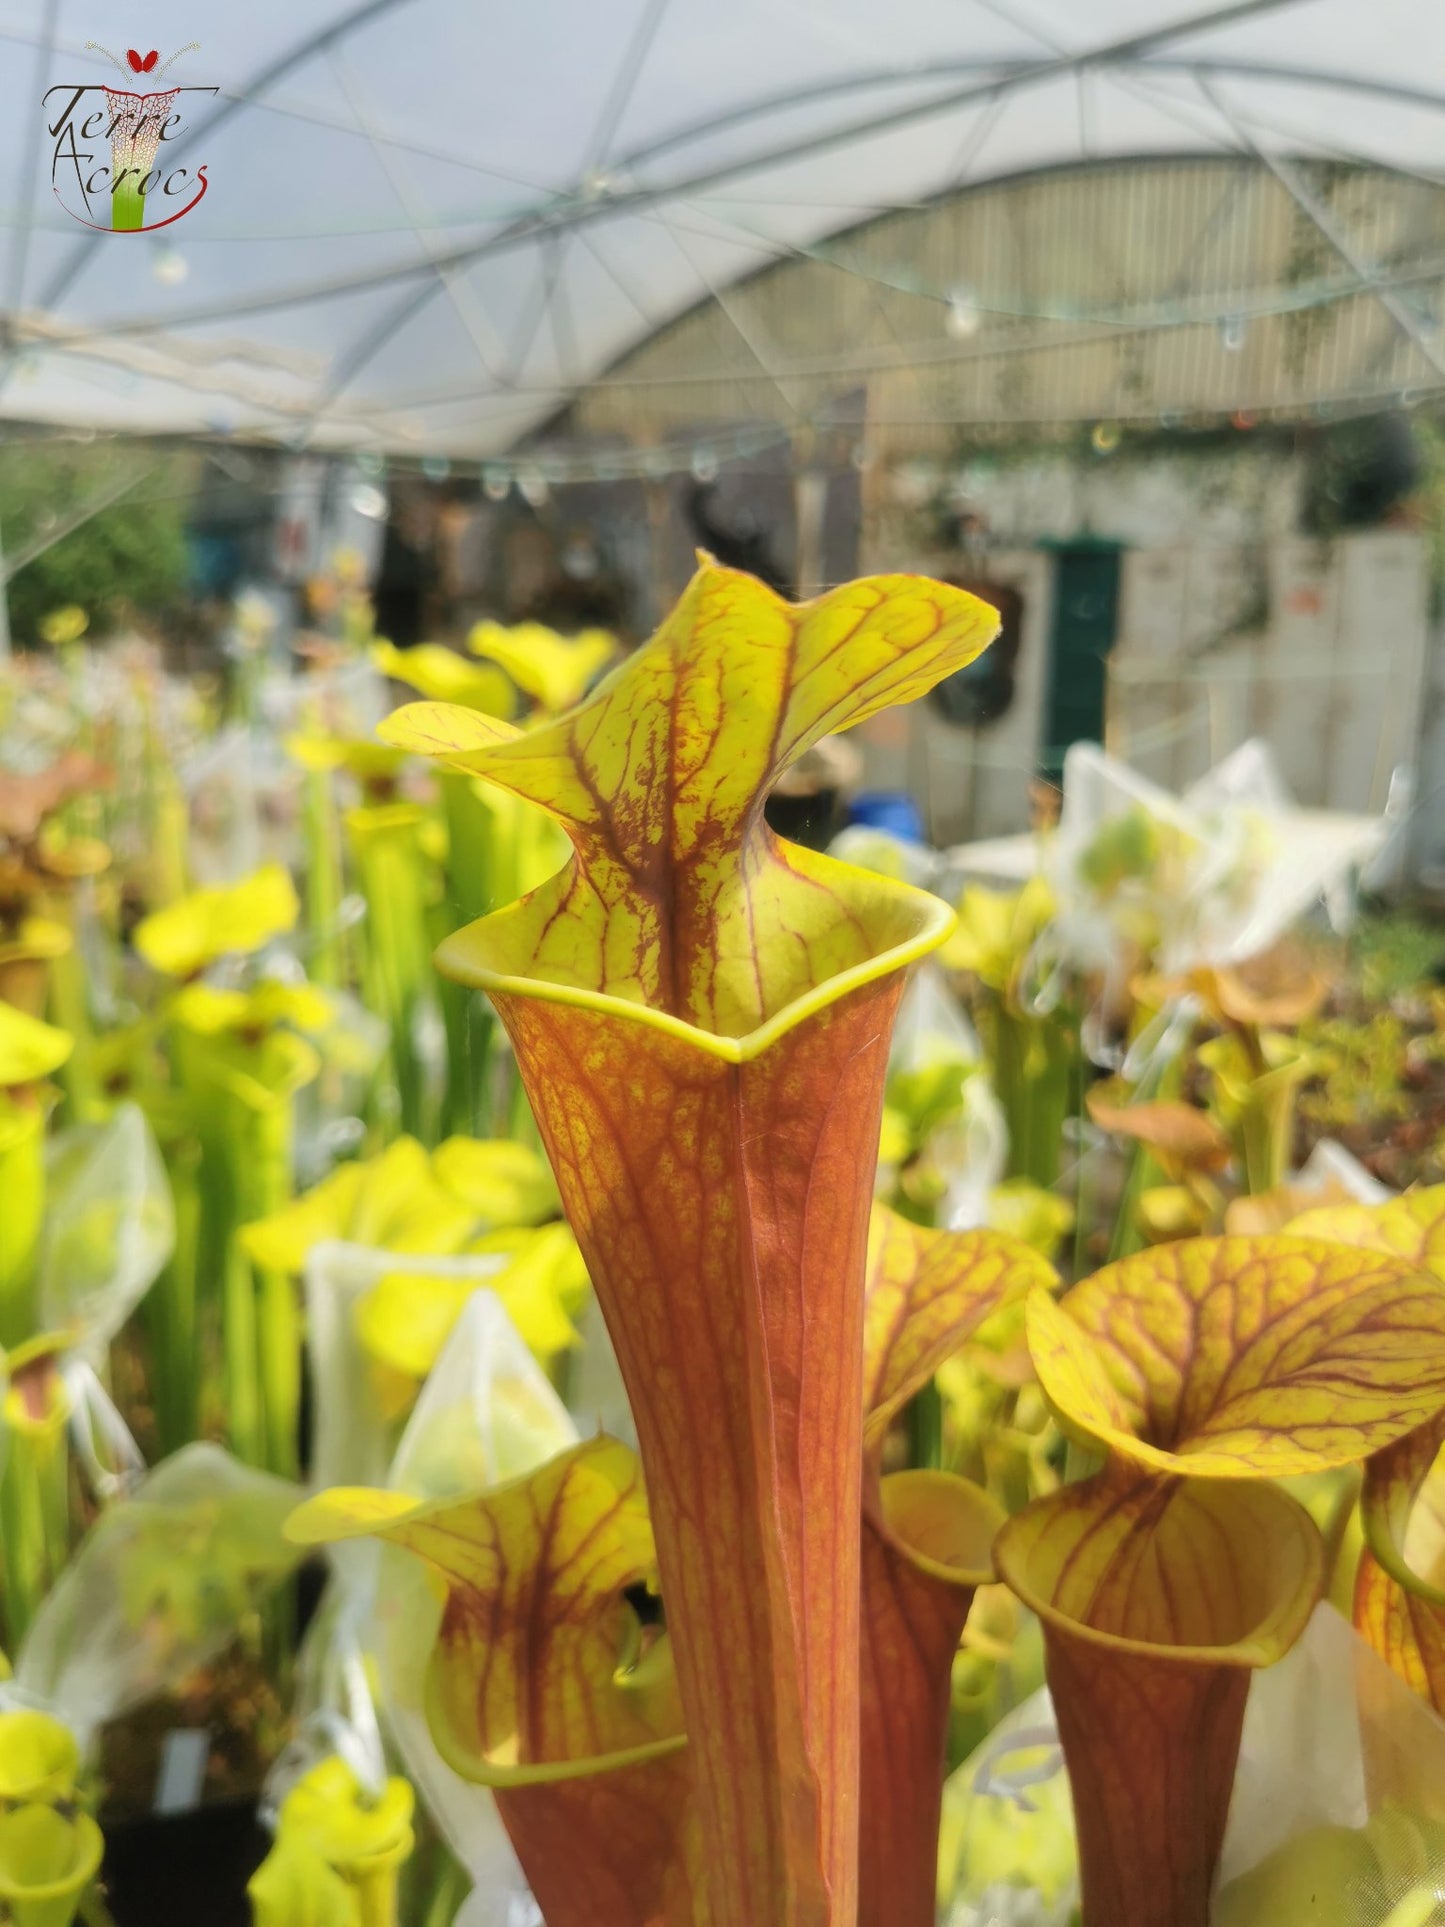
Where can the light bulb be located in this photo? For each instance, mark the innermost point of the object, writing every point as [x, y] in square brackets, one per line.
[963, 320]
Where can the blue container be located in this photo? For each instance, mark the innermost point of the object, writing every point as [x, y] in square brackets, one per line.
[892, 810]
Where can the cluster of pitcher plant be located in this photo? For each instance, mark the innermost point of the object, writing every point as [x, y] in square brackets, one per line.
[552, 1014]
[719, 1669]
[207, 1073]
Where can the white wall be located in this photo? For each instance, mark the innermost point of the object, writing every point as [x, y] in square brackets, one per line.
[1248, 493]
[1426, 843]
[972, 782]
[1320, 647]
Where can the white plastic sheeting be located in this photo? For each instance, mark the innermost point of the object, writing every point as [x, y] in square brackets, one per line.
[354, 1439]
[429, 222]
[1245, 863]
[159, 1586]
[1331, 1737]
[486, 1414]
[110, 1228]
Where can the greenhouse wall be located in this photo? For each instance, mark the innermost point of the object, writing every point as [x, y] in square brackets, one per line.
[1320, 647]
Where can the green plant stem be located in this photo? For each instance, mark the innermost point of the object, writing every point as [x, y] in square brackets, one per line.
[449, 1890]
[390, 869]
[169, 1310]
[228, 1282]
[469, 858]
[1126, 1237]
[70, 1009]
[261, 1325]
[22, 1218]
[924, 1420]
[279, 1340]
[469, 1028]
[1335, 1527]
[245, 1417]
[261, 1322]
[1085, 1191]
[34, 1515]
[488, 856]
[1033, 1066]
[278, 1325]
[215, 1228]
[170, 829]
[1160, 1080]
[521, 1124]
[245, 686]
[1265, 1127]
[242, 1100]
[323, 880]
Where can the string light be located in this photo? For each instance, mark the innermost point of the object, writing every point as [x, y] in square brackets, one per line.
[537, 474]
[963, 319]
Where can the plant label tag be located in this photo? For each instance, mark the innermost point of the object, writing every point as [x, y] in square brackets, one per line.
[183, 1769]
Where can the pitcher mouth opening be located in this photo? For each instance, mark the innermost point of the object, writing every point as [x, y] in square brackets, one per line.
[1252, 1631]
[912, 923]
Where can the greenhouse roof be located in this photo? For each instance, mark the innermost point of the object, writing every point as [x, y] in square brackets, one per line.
[426, 227]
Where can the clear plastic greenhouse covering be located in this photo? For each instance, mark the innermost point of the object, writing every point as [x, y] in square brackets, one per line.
[429, 223]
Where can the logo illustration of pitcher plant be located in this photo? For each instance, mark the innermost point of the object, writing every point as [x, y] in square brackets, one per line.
[701, 1017]
[135, 125]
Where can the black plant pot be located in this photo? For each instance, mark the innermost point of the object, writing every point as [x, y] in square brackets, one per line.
[812, 820]
[183, 1869]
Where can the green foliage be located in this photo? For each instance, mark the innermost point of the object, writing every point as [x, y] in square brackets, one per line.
[1396, 951]
[1362, 1071]
[1377, 1082]
[1124, 848]
[1430, 497]
[126, 563]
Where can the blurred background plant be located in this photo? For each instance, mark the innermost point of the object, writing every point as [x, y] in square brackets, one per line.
[118, 564]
